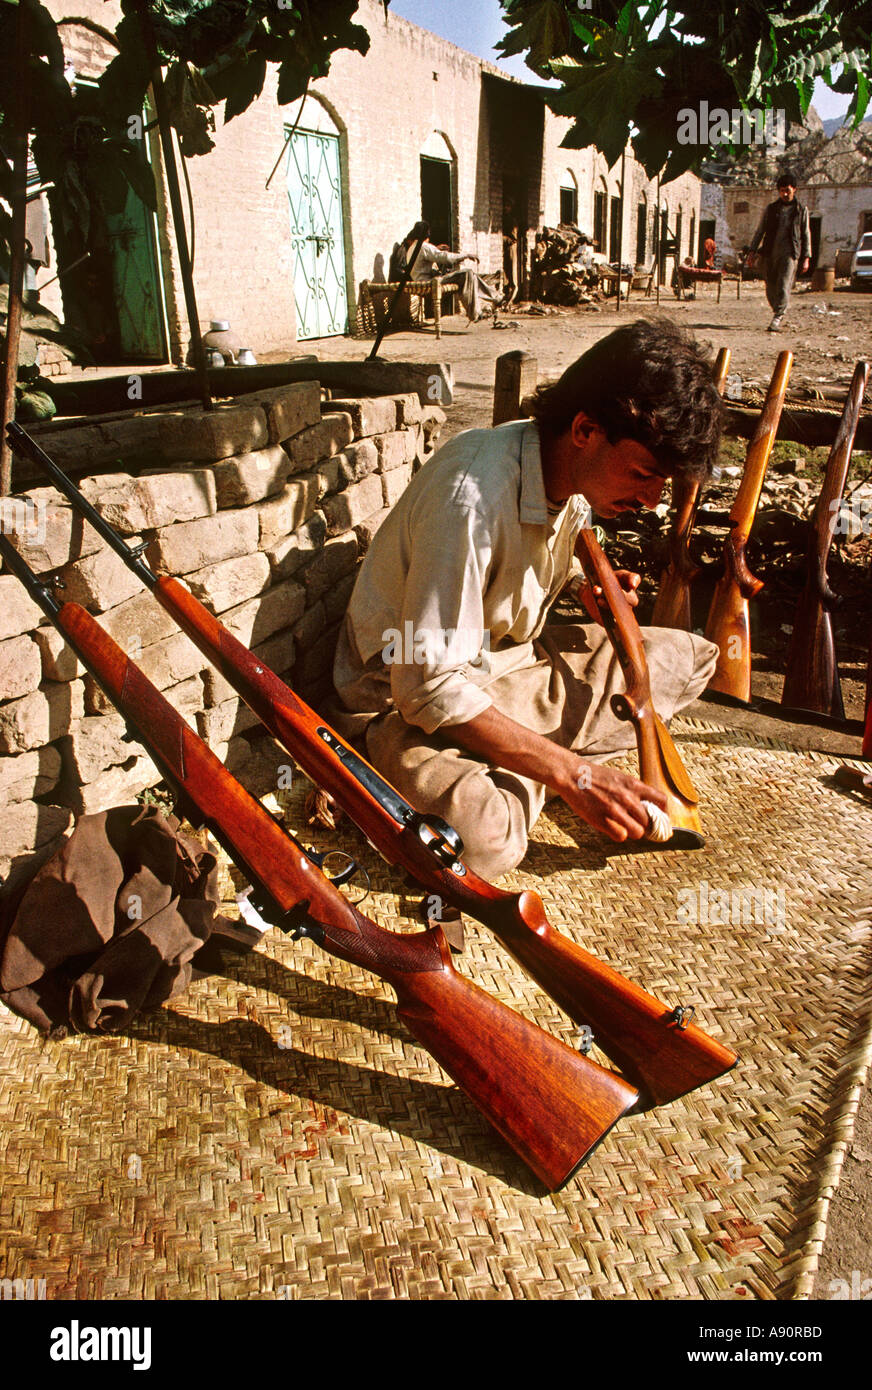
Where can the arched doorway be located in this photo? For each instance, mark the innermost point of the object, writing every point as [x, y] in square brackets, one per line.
[314, 181]
[437, 188]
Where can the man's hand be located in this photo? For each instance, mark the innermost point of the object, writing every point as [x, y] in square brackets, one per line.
[804, 266]
[611, 801]
[587, 594]
[750, 259]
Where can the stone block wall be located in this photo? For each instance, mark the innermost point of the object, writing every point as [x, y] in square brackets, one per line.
[264, 507]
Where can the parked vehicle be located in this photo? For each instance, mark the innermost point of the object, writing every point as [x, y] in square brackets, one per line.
[861, 265]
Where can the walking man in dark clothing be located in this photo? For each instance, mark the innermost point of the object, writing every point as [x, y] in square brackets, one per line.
[783, 241]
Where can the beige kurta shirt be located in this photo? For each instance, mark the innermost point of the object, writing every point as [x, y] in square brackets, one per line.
[458, 581]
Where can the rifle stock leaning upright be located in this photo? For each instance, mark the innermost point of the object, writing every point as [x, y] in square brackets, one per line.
[672, 605]
[660, 763]
[655, 1045]
[728, 622]
[551, 1104]
[811, 681]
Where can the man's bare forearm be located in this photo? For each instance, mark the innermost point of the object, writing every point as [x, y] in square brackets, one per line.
[497, 739]
[606, 798]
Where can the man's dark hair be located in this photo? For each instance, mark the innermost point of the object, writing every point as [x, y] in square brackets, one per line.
[649, 381]
[420, 229]
[787, 179]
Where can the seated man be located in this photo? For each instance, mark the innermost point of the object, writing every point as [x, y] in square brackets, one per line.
[433, 262]
[467, 701]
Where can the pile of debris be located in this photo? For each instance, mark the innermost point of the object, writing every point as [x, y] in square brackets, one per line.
[565, 266]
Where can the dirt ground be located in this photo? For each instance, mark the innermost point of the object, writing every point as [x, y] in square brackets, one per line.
[827, 333]
[825, 344]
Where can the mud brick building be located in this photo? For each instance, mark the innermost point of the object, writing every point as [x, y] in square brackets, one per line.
[415, 128]
[838, 216]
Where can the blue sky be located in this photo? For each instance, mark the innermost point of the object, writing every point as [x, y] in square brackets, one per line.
[477, 25]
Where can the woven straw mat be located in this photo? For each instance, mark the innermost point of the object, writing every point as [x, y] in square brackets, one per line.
[276, 1133]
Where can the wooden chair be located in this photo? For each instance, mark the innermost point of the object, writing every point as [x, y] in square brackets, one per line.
[643, 279]
[375, 299]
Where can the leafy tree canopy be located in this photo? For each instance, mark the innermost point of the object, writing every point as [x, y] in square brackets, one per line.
[214, 51]
[639, 65]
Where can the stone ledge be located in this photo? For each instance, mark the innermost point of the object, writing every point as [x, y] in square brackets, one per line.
[152, 500]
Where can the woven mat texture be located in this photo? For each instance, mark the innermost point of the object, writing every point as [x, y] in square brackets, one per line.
[277, 1134]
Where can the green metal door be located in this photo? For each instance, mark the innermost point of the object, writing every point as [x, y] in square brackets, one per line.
[135, 282]
[315, 197]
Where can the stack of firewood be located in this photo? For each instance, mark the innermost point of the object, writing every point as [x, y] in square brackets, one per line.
[564, 266]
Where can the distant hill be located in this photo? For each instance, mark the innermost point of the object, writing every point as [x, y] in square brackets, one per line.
[833, 124]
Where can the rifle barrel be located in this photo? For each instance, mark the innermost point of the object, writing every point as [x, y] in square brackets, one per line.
[552, 1105]
[665, 1059]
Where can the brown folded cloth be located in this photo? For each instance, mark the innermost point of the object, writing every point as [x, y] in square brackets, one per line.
[120, 919]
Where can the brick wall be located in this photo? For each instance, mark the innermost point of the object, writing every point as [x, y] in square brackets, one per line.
[385, 106]
[841, 207]
[591, 172]
[265, 508]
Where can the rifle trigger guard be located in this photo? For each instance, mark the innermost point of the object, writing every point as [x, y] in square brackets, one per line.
[318, 858]
[439, 837]
[681, 1015]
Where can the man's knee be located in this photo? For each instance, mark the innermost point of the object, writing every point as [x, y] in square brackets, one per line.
[492, 821]
[681, 664]
[492, 817]
[705, 659]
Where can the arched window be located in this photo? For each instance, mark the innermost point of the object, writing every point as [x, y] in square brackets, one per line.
[600, 215]
[642, 230]
[569, 198]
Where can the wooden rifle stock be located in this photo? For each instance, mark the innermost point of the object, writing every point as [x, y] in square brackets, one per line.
[660, 764]
[550, 1103]
[646, 1038]
[654, 1044]
[672, 605]
[728, 622]
[811, 681]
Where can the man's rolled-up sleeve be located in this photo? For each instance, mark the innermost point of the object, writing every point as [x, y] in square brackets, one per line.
[443, 629]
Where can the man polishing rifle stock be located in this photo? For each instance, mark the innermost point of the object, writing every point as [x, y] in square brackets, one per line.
[488, 709]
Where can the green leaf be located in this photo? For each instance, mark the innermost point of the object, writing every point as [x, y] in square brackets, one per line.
[602, 98]
[245, 85]
[544, 30]
[860, 102]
